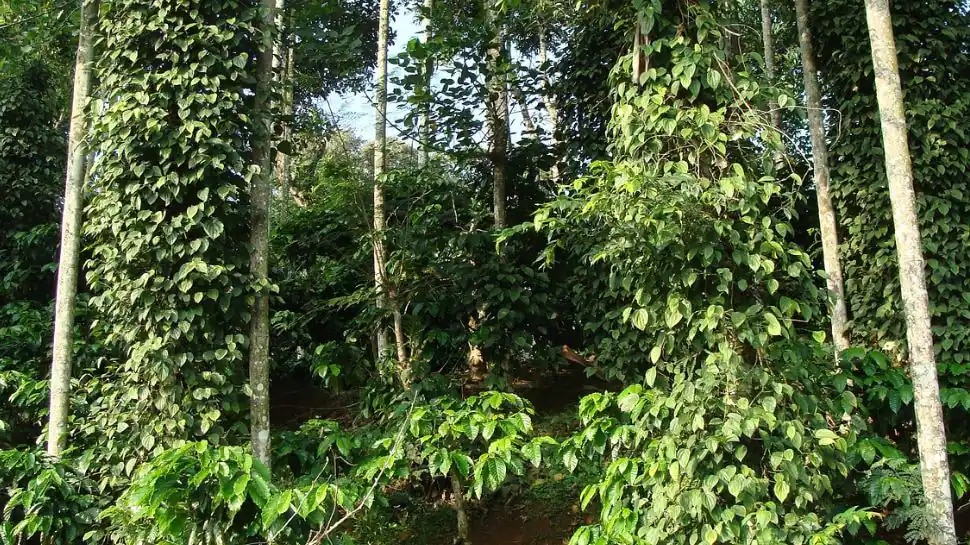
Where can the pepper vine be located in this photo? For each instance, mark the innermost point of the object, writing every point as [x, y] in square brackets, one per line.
[935, 70]
[167, 224]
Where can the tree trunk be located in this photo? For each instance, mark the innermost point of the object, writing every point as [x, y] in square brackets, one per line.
[530, 126]
[385, 295]
[931, 436]
[285, 57]
[458, 494]
[498, 114]
[259, 239]
[67, 269]
[380, 165]
[426, 129]
[769, 44]
[820, 159]
[549, 101]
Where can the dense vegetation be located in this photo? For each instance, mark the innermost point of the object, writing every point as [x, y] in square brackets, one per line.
[578, 297]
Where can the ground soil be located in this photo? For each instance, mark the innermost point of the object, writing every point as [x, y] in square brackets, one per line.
[514, 525]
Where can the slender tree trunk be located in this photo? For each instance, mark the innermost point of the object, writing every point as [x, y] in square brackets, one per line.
[931, 435]
[550, 103]
[820, 158]
[769, 44]
[458, 494]
[283, 65]
[498, 109]
[67, 269]
[283, 160]
[380, 165]
[385, 295]
[530, 126]
[426, 128]
[279, 43]
[259, 239]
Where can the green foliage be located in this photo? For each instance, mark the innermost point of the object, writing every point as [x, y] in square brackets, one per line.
[931, 40]
[43, 498]
[458, 91]
[32, 151]
[731, 454]
[934, 66]
[891, 476]
[24, 338]
[691, 246]
[894, 482]
[674, 264]
[480, 440]
[445, 265]
[737, 435]
[322, 449]
[197, 493]
[442, 264]
[335, 46]
[40, 31]
[581, 79]
[167, 221]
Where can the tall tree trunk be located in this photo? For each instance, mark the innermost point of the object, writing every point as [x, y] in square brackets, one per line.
[67, 269]
[426, 129]
[820, 159]
[769, 45]
[530, 126]
[259, 239]
[386, 298]
[284, 58]
[498, 114]
[380, 165]
[930, 434]
[549, 101]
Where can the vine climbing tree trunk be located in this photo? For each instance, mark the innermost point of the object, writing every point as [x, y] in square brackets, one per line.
[930, 433]
[768, 39]
[425, 124]
[820, 159]
[498, 113]
[67, 267]
[386, 298]
[260, 196]
[283, 64]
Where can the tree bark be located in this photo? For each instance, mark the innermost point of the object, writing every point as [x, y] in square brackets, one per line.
[385, 295]
[769, 45]
[380, 165]
[549, 101]
[498, 114]
[931, 435]
[461, 512]
[261, 192]
[530, 126]
[67, 269]
[284, 56]
[425, 123]
[820, 159]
